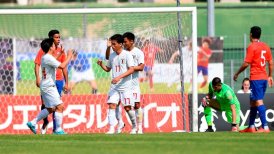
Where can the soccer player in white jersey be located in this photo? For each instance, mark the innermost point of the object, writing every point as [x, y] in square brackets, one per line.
[121, 64]
[49, 93]
[187, 63]
[138, 58]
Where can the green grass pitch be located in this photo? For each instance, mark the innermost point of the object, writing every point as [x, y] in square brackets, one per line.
[160, 143]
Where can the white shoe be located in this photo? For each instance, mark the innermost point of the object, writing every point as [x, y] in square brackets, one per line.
[140, 131]
[133, 130]
[120, 128]
[44, 131]
[111, 131]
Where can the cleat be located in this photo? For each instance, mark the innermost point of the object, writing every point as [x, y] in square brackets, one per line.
[44, 131]
[262, 130]
[140, 131]
[31, 127]
[120, 128]
[61, 132]
[209, 130]
[248, 130]
[111, 131]
[133, 130]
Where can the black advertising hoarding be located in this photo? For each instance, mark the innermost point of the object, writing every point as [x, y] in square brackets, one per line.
[219, 117]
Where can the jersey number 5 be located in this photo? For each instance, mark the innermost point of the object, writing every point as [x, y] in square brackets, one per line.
[263, 58]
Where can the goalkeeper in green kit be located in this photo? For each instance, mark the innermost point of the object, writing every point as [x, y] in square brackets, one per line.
[225, 100]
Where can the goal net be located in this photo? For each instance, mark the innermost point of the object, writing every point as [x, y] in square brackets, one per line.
[86, 30]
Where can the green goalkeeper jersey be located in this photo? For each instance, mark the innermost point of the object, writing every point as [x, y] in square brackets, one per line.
[225, 97]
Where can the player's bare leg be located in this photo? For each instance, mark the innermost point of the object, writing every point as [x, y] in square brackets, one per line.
[203, 84]
[93, 85]
[150, 80]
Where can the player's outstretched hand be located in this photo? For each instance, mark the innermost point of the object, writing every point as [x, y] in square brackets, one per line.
[108, 43]
[204, 101]
[235, 77]
[99, 62]
[115, 80]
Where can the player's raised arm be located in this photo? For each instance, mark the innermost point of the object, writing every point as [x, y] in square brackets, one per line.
[108, 49]
[65, 63]
[104, 67]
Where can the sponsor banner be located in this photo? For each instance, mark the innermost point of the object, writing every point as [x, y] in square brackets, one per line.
[219, 118]
[88, 113]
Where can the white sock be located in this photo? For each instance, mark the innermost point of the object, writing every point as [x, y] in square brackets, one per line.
[111, 117]
[58, 120]
[139, 116]
[132, 117]
[42, 114]
[118, 115]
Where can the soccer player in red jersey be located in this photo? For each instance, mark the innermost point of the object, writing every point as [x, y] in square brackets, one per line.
[150, 51]
[204, 53]
[61, 74]
[258, 56]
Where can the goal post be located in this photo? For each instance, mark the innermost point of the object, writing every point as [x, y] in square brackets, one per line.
[86, 30]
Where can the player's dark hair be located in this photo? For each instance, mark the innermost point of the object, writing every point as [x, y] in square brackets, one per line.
[255, 32]
[117, 37]
[245, 79]
[46, 44]
[216, 81]
[207, 40]
[129, 36]
[52, 33]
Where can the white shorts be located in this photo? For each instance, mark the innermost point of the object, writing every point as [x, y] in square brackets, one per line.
[114, 96]
[51, 97]
[136, 94]
[87, 75]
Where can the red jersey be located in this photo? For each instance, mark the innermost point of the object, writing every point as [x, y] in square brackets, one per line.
[62, 58]
[202, 58]
[150, 53]
[258, 53]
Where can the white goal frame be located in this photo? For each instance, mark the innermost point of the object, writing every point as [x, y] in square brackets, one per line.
[193, 11]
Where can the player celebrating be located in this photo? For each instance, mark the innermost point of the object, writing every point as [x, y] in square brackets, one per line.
[138, 57]
[49, 92]
[121, 64]
[61, 74]
[226, 100]
[258, 54]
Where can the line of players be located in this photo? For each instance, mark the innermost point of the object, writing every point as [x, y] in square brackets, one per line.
[124, 88]
[124, 63]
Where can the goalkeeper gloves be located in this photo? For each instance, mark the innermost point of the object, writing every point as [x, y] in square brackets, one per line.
[205, 101]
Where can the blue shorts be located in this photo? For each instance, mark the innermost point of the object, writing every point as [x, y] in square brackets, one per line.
[203, 69]
[147, 68]
[59, 85]
[258, 88]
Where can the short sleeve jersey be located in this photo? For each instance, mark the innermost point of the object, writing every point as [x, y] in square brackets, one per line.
[258, 53]
[48, 67]
[226, 97]
[119, 64]
[62, 58]
[138, 58]
[150, 53]
[203, 59]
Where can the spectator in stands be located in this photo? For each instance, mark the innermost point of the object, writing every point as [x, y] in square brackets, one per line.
[245, 89]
